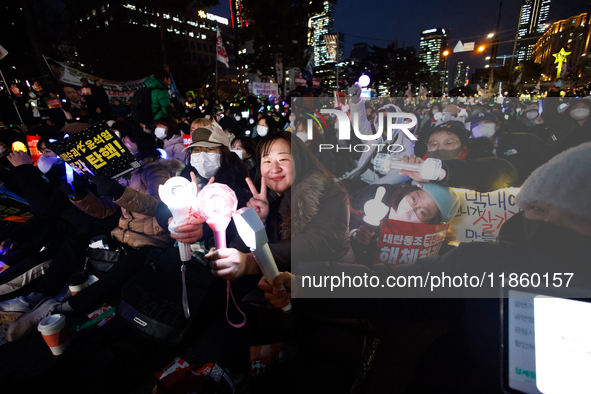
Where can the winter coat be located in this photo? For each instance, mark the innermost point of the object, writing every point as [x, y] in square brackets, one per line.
[483, 174]
[571, 133]
[365, 168]
[309, 222]
[161, 106]
[174, 148]
[137, 225]
[524, 150]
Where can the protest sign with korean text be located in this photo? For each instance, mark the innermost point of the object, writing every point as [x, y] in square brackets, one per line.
[481, 215]
[405, 242]
[96, 151]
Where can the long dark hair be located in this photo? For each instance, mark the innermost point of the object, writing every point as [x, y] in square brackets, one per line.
[248, 145]
[146, 143]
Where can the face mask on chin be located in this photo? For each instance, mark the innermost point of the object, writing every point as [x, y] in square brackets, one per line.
[444, 154]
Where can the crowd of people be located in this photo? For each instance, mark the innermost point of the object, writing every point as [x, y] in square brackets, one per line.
[311, 201]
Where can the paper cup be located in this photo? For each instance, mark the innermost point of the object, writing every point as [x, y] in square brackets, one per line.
[52, 330]
[77, 282]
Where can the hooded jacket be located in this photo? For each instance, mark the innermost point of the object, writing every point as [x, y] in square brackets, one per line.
[161, 106]
[174, 148]
[137, 225]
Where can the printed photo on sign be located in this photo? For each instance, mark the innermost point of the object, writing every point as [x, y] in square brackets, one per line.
[96, 151]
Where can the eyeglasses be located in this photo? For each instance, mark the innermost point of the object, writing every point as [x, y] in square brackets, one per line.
[206, 149]
[448, 145]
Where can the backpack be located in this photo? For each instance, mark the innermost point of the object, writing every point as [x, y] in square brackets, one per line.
[152, 300]
[141, 105]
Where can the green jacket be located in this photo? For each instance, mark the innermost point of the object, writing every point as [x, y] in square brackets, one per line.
[161, 106]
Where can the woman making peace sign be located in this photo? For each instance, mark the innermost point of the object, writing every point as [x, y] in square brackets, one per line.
[306, 214]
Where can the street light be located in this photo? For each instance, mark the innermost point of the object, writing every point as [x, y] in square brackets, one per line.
[481, 48]
[445, 53]
[490, 35]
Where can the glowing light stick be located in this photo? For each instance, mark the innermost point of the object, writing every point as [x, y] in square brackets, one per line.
[215, 203]
[163, 153]
[364, 80]
[375, 210]
[18, 146]
[178, 194]
[252, 231]
[69, 174]
[429, 169]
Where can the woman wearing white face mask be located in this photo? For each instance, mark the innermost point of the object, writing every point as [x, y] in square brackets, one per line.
[266, 125]
[419, 203]
[210, 157]
[576, 126]
[170, 139]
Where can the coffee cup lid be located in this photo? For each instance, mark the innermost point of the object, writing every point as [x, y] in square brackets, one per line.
[78, 278]
[50, 322]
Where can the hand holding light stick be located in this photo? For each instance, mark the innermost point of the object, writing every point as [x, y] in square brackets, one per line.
[429, 169]
[178, 194]
[215, 203]
[252, 231]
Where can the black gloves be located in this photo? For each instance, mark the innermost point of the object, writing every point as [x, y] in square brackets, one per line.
[108, 187]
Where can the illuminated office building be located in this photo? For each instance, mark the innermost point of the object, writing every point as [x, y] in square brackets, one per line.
[320, 25]
[239, 19]
[532, 24]
[431, 46]
[460, 74]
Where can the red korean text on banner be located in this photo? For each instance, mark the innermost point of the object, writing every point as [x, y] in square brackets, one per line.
[32, 141]
[405, 242]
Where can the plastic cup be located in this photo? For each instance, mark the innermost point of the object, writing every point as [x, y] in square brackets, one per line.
[77, 282]
[52, 330]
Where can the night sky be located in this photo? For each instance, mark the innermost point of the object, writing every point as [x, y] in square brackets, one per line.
[381, 22]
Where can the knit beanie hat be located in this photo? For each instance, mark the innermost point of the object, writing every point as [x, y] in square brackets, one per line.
[446, 199]
[564, 181]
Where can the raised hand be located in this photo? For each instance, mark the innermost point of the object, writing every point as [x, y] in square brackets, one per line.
[259, 201]
[363, 235]
[18, 158]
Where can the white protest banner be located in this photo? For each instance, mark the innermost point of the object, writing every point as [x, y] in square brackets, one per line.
[481, 214]
[69, 75]
[264, 89]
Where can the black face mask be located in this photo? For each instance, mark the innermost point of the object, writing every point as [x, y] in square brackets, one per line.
[558, 246]
[444, 154]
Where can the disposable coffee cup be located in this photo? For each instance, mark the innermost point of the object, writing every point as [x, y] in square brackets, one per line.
[52, 330]
[77, 282]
